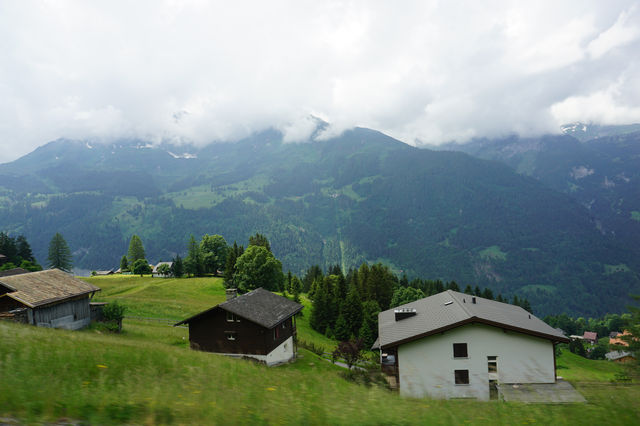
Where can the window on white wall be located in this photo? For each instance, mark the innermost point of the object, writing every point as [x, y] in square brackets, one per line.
[460, 350]
[461, 377]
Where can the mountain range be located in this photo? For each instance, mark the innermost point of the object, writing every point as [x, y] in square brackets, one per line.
[554, 219]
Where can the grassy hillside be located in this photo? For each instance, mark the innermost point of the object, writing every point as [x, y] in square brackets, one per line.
[148, 375]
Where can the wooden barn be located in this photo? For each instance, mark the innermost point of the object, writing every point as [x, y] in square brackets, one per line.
[258, 324]
[50, 298]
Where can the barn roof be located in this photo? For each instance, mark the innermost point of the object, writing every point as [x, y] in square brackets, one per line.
[45, 287]
[259, 306]
[451, 309]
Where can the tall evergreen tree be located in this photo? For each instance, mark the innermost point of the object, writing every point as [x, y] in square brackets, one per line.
[24, 249]
[124, 265]
[310, 276]
[136, 250]
[352, 310]
[193, 262]
[59, 254]
[296, 287]
[369, 329]
[259, 240]
[177, 267]
[8, 247]
[230, 267]
[341, 331]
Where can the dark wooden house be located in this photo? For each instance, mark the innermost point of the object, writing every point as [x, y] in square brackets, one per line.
[258, 324]
[50, 298]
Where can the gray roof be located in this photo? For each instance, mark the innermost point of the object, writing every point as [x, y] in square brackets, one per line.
[259, 306]
[450, 309]
[613, 355]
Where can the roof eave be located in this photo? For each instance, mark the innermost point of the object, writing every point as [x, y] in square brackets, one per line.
[554, 338]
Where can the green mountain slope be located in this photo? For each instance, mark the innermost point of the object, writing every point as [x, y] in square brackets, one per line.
[360, 197]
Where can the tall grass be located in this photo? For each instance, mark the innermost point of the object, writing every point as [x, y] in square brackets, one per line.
[147, 375]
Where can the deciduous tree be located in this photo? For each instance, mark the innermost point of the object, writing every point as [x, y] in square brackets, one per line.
[214, 251]
[141, 267]
[257, 267]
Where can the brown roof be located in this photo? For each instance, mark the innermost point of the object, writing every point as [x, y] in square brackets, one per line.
[590, 335]
[45, 287]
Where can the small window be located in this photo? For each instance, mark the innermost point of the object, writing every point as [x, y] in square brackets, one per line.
[276, 333]
[460, 350]
[230, 316]
[462, 377]
[231, 335]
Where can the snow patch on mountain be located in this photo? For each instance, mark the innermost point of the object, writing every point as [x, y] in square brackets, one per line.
[185, 155]
[581, 172]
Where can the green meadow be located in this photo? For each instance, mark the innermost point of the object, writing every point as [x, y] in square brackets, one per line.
[148, 375]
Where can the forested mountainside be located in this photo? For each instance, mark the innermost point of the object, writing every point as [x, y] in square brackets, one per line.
[359, 197]
[597, 166]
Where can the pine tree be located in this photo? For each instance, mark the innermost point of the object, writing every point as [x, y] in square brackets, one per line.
[124, 265]
[369, 330]
[193, 262]
[352, 311]
[24, 249]
[468, 290]
[296, 286]
[230, 267]
[319, 320]
[487, 293]
[59, 254]
[177, 267]
[342, 332]
[259, 240]
[288, 288]
[136, 250]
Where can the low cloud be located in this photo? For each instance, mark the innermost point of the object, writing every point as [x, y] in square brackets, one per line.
[200, 72]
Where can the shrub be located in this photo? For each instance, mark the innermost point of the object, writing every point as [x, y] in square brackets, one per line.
[113, 313]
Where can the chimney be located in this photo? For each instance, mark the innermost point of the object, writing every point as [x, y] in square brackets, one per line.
[473, 300]
[404, 313]
[231, 293]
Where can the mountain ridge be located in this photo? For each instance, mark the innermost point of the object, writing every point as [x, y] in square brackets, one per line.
[362, 196]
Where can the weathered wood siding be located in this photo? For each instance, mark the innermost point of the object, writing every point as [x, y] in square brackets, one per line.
[209, 333]
[71, 314]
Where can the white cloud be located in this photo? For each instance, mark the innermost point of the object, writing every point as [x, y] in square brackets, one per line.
[199, 71]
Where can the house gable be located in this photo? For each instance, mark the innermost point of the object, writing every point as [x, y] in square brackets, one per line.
[429, 366]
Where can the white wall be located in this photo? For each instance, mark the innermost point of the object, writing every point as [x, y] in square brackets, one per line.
[281, 354]
[427, 365]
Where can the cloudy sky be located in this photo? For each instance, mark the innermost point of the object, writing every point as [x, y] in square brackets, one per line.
[204, 71]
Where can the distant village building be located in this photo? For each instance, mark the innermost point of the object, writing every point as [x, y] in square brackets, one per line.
[455, 345]
[621, 357]
[615, 338]
[154, 270]
[258, 324]
[50, 298]
[591, 337]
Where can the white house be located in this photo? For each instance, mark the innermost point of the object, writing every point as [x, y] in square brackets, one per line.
[454, 345]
